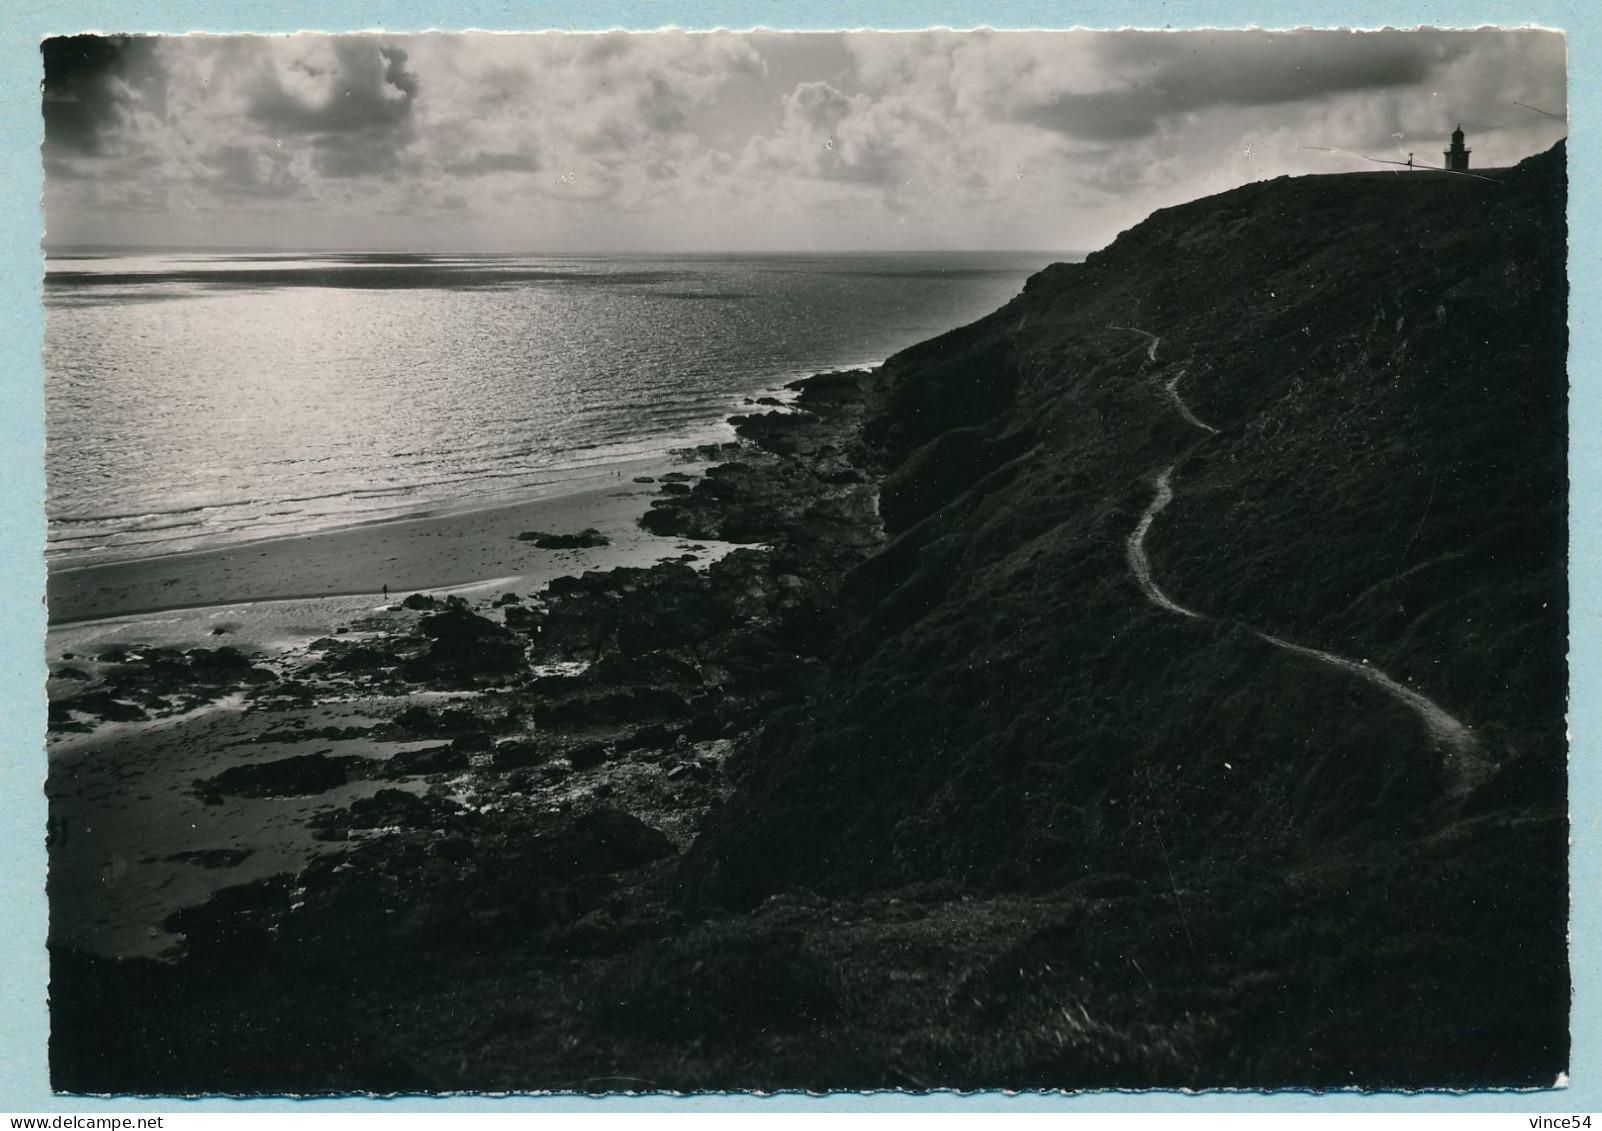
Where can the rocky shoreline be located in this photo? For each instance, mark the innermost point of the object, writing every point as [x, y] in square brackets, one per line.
[576, 740]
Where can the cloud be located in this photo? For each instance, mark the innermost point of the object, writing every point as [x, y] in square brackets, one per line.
[721, 139]
[95, 84]
[830, 135]
[340, 86]
[1124, 85]
[1155, 76]
[661, 107]
[247, 171]
[352, 97]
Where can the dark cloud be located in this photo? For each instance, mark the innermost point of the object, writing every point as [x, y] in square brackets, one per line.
[1113, 115]
[1170, 74]
[88, 83]
[368, 92]
[360, 120]
[482, 163]
[395, 72]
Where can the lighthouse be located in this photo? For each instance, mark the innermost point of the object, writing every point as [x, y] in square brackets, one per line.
[1457, 157]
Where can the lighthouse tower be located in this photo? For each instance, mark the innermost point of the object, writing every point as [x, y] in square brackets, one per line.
[1457, 157]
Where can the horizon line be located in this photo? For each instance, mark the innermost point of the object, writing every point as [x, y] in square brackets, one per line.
[257, 249]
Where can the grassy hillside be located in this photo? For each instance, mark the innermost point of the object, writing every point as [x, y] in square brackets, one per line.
[1383, 360]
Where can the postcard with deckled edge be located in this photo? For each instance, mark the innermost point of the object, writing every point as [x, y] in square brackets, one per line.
[644, 563]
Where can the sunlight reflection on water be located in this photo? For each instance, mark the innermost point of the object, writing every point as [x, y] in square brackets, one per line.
[194, 400]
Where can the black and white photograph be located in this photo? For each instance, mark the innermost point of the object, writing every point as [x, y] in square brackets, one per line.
[679, 562]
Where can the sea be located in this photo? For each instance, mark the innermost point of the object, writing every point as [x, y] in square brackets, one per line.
[197, 400]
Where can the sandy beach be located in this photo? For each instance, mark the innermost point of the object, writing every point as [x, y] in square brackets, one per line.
[448, 549]
[128, 829]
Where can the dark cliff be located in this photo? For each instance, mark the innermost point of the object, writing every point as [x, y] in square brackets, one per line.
[1359, 384]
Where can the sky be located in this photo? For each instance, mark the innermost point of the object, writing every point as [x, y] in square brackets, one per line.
[691, 142]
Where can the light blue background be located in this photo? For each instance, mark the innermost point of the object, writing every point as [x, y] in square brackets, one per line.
[24, 1083]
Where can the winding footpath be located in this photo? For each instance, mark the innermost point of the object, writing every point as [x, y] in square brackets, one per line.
[1171, 387]
[1442, 727]
[1151, 339]
[1444, 730]
[1140, 564]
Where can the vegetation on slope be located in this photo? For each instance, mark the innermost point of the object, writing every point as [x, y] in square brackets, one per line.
[1384, 360]
[998, 818]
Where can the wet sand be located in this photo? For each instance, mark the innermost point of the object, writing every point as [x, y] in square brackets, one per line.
[434, 551]
[127, 828]
[126, 823]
